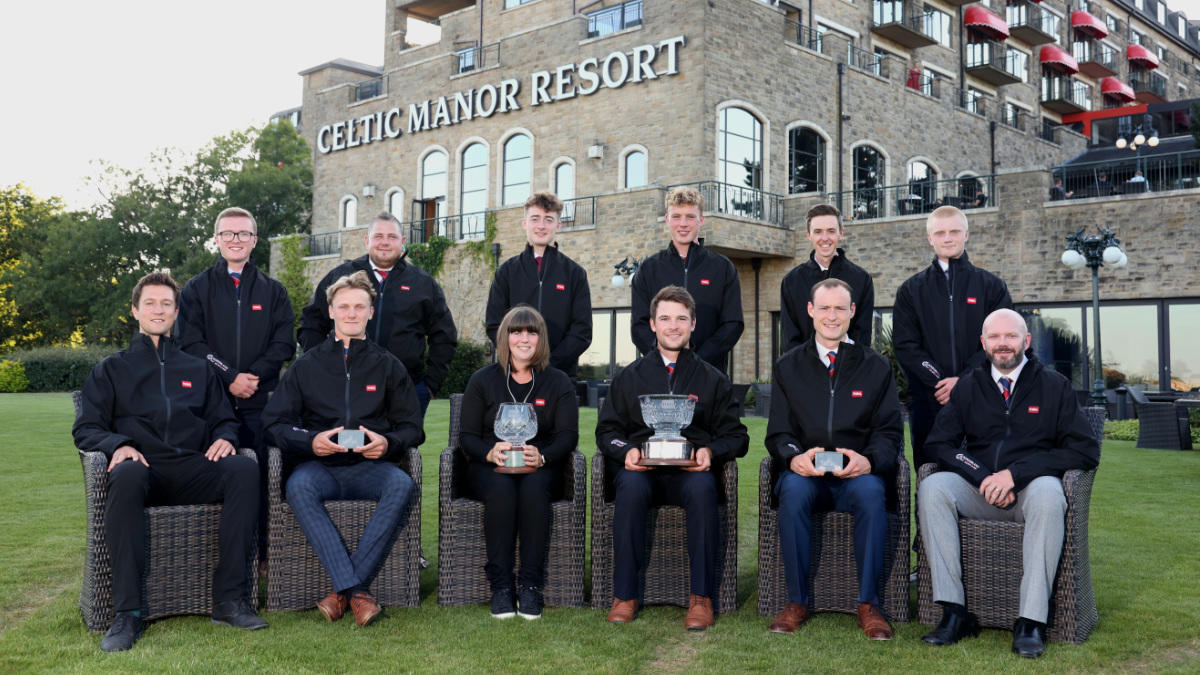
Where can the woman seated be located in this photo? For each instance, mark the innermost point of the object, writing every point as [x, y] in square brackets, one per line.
[518, 504]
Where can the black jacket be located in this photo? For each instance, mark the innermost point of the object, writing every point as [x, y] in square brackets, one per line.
[796, 291]
[161, 401]
[247, 329]
[553, 399]
[715, 423]
[1043, 432]
[713, 282]
[857, 408]
[323, 390]
[560, 294]
[935, 332]
[411, 319]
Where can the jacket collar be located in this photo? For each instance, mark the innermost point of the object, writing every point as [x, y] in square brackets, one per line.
[223, 267]
[834, 264]
[142, 343]
[364, 263]
[958, 264]
[695, 251]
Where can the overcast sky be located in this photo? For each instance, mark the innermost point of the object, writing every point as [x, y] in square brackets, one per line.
[84, 80]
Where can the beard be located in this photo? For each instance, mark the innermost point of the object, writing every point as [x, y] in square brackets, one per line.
[1004, 360]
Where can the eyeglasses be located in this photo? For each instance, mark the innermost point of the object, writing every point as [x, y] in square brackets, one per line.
[228, 236]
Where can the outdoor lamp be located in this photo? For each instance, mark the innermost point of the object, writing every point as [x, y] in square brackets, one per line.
[1139, 139]
[1073, 259]
[1153, 141]
[625, 271]
[1121, 142]
[1095, 251]
[618, 280]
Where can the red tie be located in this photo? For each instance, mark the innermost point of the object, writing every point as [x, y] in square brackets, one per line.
[382, 273]
[538, 260]
[832, 358]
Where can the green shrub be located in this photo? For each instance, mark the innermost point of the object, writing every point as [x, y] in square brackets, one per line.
[12, 377]
[1121, 430]
[60, 368]
[468, 358]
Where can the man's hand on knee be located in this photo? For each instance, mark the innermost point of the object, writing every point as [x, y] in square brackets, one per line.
[220, 449]
[127, 452]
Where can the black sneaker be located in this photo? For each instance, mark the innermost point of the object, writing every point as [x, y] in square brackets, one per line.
[239, 614]
[124, 631]
[504, 603]
[530, 602]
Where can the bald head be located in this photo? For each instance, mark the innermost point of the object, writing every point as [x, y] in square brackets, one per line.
[1003, 319]
[1005, 338]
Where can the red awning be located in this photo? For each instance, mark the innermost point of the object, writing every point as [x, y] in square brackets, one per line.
[986, 21]
[1086, 23]
[1111, 86]
[1142, 56]
[1057, 58]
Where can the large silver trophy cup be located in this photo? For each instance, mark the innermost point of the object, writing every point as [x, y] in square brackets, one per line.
[516, 423]
[667, 414]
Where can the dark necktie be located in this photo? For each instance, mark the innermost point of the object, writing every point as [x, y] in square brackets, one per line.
[670, 371]
[538, 260]
[1006, 384]
[237, 281]
[832, 359]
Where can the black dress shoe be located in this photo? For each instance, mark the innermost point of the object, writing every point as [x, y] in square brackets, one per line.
[1029, 638]
[952, 628]
[239, 614]
[126, 628]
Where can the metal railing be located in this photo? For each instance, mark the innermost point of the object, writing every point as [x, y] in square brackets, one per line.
[1094, 51]
[1148, 81]
[1168, 171]
[578, 212]
[928, 84]
[1047, 131]
[367, 89]
[1026, 13]
[613, 19]
[472, 58]
[805, 36]
[324, 243]
[973, 100]
[996, 55]
[1064, 88]
[739, 200]
[910, 15]
[915, 197]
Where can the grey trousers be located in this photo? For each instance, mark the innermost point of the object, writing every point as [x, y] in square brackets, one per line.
[1041, 506]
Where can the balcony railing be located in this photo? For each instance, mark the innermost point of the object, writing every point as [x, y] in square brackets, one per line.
[325, 243]
[1005, 65]
[1067, 90]
[614, 19]
[475, 58]
[904, 22]
[739, 200]
[1148, 81]
[1095, 58]
[1028, 22]
[578, 212]
[973, 100]
[915, 197]
[368, 89]
[1169, 171]
[805, 36]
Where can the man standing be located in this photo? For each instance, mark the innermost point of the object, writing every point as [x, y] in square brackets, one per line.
[709, 277]
[240, 321]
[716, 433]
[343, 385]
[161, 417]
[836, 395]
[1023, 429]
[548, 281]
[411, 319]
[827, 261]
[937, 315]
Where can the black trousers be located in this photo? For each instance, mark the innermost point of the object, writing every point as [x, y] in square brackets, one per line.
[922, 410]
[514, 505]
[250, 435]
[185, 479]
[636, 492]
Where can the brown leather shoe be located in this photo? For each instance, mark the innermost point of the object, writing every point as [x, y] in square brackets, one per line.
[365, 608]
[700, 613]
[622, 611]
[790, 618]
[333, 606]
[871, 620]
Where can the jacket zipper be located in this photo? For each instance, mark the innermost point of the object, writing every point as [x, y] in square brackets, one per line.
[953, 347]
[546, 264]
[378, 318]
[162, 383]
[829, 419]
[346, 365]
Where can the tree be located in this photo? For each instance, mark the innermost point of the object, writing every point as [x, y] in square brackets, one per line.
[275, 185]
[292, 250]
[24, 218]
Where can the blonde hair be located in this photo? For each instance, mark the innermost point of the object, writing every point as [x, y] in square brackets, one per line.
[235, 212]
[357, 280]
[943, 213]
[685, 196]
[519, 318]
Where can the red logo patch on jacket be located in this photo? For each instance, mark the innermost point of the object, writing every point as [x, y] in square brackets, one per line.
[186, 384]
[705, 282]
[972, 301]
[1033, 410]
[371, 387]
[256, 308]
[856, 393]
[694, 397]
[560, 287]
[539, 401]
[405, 288]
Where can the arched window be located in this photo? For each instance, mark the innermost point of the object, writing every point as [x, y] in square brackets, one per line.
[395, 203]
[472, 196]
[348, 211]
[869, 179]
[635, 169]
[564, 187]
[806, 161]
[518, 158]
[739, 148]
[922, 188]
[432, 207]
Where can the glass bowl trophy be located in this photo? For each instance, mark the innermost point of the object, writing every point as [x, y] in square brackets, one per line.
[515, 424]
[667, 414]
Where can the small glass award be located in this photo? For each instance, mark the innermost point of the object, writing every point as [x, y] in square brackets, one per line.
[828, 462]
[516, 423]
[351, 439]
[667, 414]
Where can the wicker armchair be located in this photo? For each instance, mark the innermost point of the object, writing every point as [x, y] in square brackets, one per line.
[295, 577]
[183, 552]
[833, 579]
[991, 564]
[667, 579]
[461, 550]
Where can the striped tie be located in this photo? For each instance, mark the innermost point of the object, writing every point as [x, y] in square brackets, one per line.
[832, 359]
[1006, 384]
[670, 371]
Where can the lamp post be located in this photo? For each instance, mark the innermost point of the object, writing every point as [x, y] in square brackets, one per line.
[1094, 251]
[625, 271]
[1142, 135]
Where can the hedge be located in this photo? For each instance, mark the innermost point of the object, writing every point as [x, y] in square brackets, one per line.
[60, 368]
[12, 377]
[468, 358]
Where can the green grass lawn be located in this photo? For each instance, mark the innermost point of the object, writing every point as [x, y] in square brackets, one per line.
[1145, 530]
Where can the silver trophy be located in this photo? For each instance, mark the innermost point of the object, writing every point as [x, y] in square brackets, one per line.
[667, 414]
[516, 423]
[352, 439]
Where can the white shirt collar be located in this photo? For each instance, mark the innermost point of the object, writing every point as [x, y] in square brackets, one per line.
[996, 374]
[944, 264]
[823, 351]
